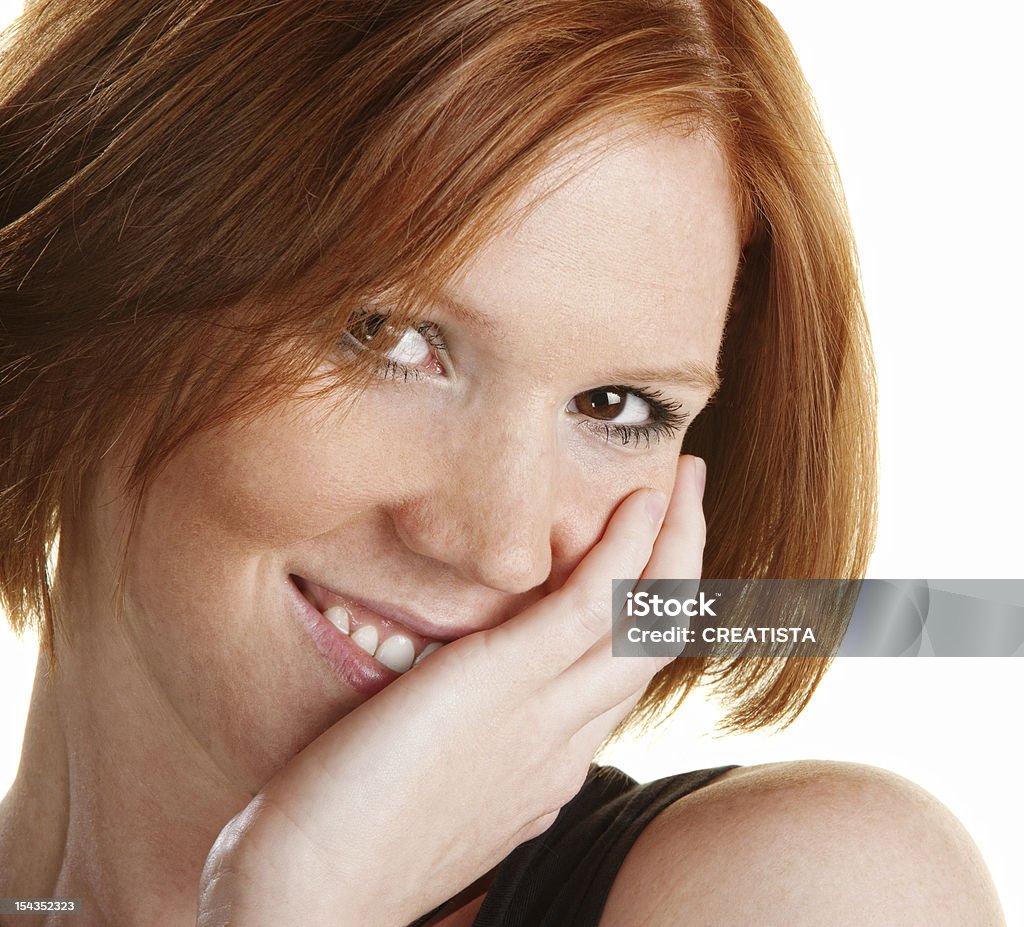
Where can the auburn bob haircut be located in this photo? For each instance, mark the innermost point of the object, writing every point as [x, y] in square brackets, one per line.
[197, 195]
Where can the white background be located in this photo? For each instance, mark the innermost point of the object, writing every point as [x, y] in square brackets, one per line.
[920, 101]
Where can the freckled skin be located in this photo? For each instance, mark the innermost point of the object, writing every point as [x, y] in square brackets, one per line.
[417, 497]
[465, 496]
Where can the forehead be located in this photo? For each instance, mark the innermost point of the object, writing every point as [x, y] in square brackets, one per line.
[635, 229]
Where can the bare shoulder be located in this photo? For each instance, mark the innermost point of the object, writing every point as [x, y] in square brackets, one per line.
[800, 844]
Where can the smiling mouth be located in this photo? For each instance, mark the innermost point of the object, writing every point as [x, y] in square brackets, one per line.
[389, 642]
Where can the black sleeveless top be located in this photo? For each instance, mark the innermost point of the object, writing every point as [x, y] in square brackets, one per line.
[562, 878]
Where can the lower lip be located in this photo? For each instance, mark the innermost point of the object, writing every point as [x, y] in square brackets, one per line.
[353, 665]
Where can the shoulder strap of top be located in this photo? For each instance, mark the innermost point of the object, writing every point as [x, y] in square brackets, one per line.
[562, 878]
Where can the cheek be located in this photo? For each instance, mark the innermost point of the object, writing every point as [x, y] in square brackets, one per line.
[286, 477]
[593, 488]
[206, 590]
[276, 486]
[608, 482]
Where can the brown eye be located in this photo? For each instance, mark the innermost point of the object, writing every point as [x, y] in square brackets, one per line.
[601, 403]
[410, 353]
[367, 327]
[608, 403]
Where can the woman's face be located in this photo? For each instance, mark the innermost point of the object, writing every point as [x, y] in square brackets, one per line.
[455, 493]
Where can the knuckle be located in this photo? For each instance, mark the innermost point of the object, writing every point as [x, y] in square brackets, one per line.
[472, 661]
[636, 541]
[590, 613]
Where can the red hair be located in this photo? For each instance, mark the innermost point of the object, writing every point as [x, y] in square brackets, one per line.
[166, 167]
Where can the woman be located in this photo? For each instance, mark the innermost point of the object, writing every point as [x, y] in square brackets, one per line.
[343, 344]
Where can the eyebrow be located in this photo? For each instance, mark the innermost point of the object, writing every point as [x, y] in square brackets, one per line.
[689, 374]
[446, 301]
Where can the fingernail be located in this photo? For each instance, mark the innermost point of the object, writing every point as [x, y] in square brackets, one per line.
[656, 504]
[701, 472]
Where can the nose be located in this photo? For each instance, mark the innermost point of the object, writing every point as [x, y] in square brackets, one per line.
[488, 509]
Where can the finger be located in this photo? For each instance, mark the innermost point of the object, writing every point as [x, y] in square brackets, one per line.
[679, 551]
[561, 627]
[592, 734]
[599, 679]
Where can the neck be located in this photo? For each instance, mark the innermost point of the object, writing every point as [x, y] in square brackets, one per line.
[116, 799]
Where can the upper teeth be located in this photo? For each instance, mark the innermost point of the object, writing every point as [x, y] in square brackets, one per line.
[338, 616]
[396, 651]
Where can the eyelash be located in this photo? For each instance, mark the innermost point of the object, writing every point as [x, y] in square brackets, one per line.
[667, 416]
